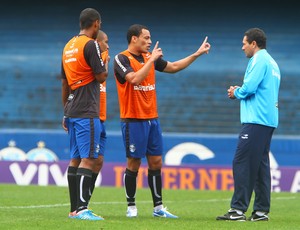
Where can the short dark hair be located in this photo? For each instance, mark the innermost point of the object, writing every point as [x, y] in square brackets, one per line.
[87, 17]
[257, 35]
[135, 30]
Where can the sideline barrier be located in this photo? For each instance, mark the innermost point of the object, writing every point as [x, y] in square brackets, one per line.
[192, 161]
[189, 177]
[179, 148]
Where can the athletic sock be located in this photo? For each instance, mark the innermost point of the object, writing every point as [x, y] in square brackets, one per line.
[72, 187]
[259, 213]
[94, 178]
[130, 186]
[84, 179]
[155, 184]
[238, 211]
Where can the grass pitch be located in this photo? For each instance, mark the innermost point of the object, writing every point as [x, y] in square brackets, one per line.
[38, 207]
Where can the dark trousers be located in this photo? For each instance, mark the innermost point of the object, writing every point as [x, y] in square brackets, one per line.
[251, 168]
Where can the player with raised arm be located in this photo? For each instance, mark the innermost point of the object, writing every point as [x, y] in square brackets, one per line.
[134, 71]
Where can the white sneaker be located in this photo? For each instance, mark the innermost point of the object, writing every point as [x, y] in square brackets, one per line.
[131, 211]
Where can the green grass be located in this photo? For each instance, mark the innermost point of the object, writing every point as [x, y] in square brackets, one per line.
[38, 207]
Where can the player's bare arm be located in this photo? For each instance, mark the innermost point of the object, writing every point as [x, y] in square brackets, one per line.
[137, 77]
[173, 67]
[65, 90]
[101, 77]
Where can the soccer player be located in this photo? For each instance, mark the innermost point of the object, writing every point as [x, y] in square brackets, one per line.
[259, 117]
[102, 40]
[82, 71]
[134, 71]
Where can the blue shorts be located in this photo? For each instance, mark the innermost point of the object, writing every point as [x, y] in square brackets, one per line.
[142, 138]
[84, 137]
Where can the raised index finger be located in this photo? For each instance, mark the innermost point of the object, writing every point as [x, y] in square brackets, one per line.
[156, 45]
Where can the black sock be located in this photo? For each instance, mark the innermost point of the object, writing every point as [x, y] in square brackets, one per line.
[155, 184]
[94, 178]
[130, 186]
[72, 187]
[84, 180]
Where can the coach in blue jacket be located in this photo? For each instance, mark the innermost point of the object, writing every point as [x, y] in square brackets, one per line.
[259, 118]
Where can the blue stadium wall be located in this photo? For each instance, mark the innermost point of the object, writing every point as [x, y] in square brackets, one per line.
[199, 161]
[179, 148]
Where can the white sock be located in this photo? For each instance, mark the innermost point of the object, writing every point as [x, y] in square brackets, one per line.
[259, 213]
[157, 208]
[237, 211]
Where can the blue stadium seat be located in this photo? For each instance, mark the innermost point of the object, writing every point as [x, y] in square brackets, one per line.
[194, 100]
